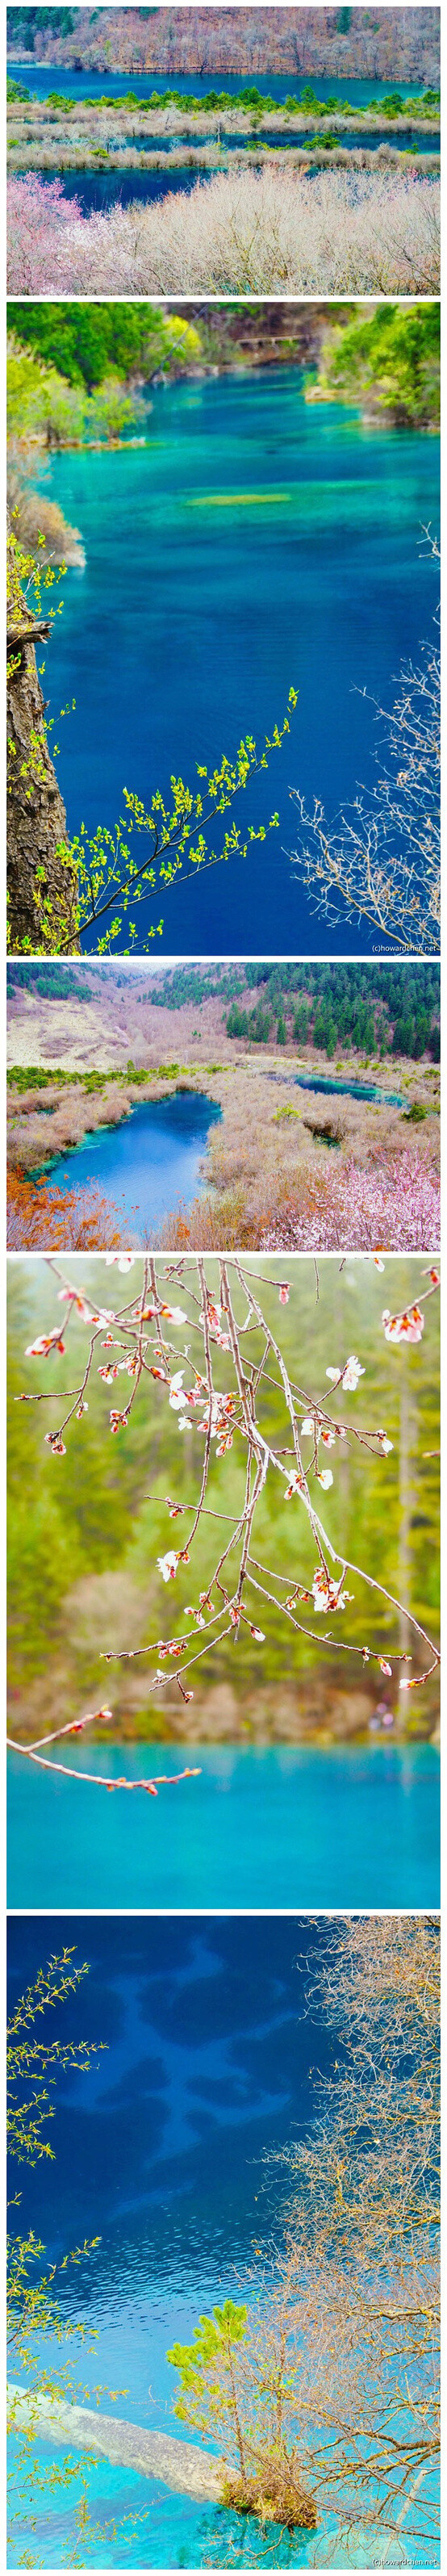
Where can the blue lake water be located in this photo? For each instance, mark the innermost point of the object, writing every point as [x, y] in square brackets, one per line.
[95, 189]
[42, 77]
[254, 542]
[209, 2062]
[356, 1090]
[287, 140]
[275, 1828]
[149, 1163]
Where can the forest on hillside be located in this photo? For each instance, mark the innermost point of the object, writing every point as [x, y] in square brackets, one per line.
[371, 1009]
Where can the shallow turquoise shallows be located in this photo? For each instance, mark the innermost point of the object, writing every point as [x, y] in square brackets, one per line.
[149, 1164]
[266, 1828]
[355, 1090]
[256, 541]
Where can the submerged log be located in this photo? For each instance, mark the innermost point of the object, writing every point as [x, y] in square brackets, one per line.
[180, 2465]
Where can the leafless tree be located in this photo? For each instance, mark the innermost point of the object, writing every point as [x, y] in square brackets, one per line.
[380, 859]
[330, 2409]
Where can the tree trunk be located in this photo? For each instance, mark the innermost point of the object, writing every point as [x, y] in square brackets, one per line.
[42, 881]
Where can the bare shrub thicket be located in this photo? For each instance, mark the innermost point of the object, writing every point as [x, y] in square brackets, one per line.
[267, 232]
[362, 2247]
[381, 858]
[325, 2384]
[340, 1208]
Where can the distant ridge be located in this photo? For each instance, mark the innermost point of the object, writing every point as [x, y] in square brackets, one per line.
[399, 45]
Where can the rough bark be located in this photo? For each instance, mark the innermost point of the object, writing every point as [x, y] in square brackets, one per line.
[41, 880]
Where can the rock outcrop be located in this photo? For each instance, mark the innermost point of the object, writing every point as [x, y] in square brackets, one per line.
[41, 879]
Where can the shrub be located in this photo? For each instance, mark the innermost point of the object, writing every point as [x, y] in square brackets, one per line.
[39, 1216]
[335, 232]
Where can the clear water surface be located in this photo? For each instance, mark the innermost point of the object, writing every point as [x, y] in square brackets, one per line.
[42, 77]
[159, 2152]
[255, 541]
[96, 189]
[274, 1828]
[148, 1163]
[356, 1090]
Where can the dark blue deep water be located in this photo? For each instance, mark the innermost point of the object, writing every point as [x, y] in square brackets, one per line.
[159, 2153]
[209, 2062]
[254, 542]
[96, 189]
[148, 1163]
[39, 78]
[268, 1827]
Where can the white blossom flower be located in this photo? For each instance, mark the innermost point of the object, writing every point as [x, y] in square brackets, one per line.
[408, 1327]
[351, 1373]
[176, 1395]
[125, 1260]
[168, 1564]
[46, 1342]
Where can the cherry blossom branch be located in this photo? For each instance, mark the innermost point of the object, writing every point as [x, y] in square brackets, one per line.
[97, 1779]
[138, 1332]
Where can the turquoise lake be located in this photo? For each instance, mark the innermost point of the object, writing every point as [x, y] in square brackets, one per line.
[42, 77]
[148, 1164]
[96, 189]
[354, 1090]
[255, 541]
[209, 2063]
[271, 1827]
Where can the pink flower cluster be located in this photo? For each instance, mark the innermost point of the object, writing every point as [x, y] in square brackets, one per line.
[395, 1203]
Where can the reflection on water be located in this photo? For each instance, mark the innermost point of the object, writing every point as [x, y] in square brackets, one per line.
[148, 1163]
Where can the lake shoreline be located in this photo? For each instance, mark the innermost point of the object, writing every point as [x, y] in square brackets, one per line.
[272, 1087]
[317, 1714]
